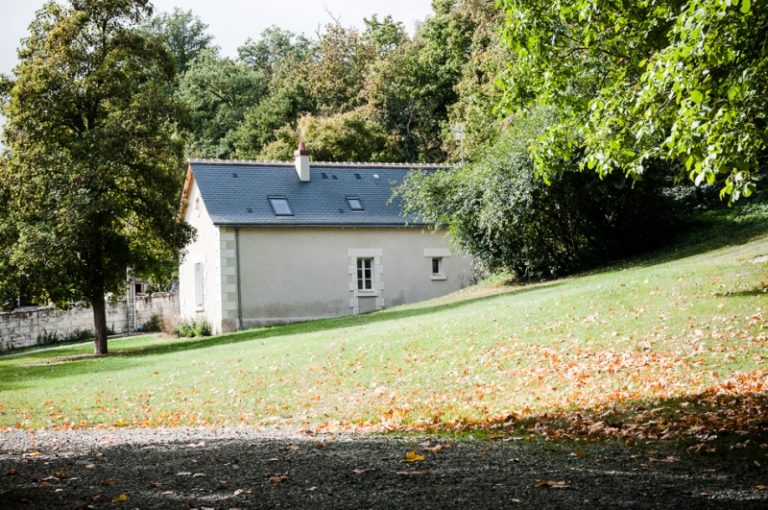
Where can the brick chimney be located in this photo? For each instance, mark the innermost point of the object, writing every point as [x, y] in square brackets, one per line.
[302, 162]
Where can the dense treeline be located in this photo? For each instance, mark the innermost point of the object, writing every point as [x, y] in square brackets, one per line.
[375, 94]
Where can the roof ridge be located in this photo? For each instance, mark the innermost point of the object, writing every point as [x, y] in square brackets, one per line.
[355, 164]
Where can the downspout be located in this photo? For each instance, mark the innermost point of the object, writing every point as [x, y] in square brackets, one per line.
[239, 294]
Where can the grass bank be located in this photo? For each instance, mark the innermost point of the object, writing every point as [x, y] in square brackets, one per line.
[671, 344]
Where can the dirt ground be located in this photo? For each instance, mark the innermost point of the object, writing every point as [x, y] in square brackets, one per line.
[243, 468]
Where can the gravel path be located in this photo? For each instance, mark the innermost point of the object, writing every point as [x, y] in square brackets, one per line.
[243, 468]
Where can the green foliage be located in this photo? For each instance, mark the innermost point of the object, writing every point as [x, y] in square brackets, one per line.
[350, 136]
[93, 163]
[473, 122]
[276, 51]
[77, 335]
[155, 323]
[218, 92]
[685, 81]
[498, 211]
[192, 328]
[183, 33]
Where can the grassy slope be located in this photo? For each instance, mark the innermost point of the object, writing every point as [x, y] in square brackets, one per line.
[669, 327]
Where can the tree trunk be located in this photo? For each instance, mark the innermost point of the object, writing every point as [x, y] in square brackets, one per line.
[99, 323]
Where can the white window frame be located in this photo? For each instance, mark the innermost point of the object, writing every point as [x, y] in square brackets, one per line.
[362, 279]
[377, 277]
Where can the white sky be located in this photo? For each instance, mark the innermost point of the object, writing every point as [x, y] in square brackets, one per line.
[231, 22]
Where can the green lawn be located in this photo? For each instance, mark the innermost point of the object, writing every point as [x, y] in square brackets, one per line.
[672, 343]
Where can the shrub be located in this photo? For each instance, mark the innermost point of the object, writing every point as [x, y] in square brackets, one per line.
[48, 338]
[192, 328]
[79, 335]
[155, 323]
[168, 325]
[508, 218]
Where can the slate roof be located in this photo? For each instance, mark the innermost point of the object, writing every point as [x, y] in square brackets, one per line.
[237, 193]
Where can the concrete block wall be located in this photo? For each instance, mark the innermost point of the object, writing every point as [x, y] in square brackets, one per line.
[25, 327]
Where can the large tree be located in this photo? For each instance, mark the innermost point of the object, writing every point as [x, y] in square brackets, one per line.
[92, 165]
[682, 80]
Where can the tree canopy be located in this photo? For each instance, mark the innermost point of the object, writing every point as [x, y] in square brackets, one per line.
[685, 81]
[93, 162]
[184, 34]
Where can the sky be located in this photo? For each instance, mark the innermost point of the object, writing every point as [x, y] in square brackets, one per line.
[231, 22]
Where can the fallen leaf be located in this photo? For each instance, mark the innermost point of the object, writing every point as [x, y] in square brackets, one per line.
[761, 487]
[154, 485]
[412, 456]
[278, 479]
[12, 472]
[551, 484]
[437, 448]
[99, 498]
[121, 498]
[359, 471]
[199, 475]
[579, 453]
[108, 481]
[61, 475]
[90, 466]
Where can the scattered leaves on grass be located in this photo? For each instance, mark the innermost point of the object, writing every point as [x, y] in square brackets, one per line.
[120, 498]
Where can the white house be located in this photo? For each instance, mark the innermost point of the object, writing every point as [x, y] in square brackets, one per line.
[282, 242]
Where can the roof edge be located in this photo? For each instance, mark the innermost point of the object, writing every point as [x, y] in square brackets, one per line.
[350, 164]
[322, 225]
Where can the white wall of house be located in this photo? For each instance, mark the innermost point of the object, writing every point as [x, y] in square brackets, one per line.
[290, 274]
[200, 269]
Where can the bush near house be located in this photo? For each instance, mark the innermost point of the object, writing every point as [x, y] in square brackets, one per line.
[192, 328]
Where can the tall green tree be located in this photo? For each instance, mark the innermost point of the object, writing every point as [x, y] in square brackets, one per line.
[414, 86]
[218, 92]
[93, 165]
[683, 80]
[184, 33]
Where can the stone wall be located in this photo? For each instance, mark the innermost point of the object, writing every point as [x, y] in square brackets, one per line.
[29, 326]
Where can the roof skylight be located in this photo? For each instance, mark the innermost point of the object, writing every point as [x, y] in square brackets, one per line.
[280, 206]
[355, 204]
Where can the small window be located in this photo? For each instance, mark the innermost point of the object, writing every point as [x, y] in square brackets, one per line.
[437, 268]
[355, 204]
[280, 206]
[365, 274]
